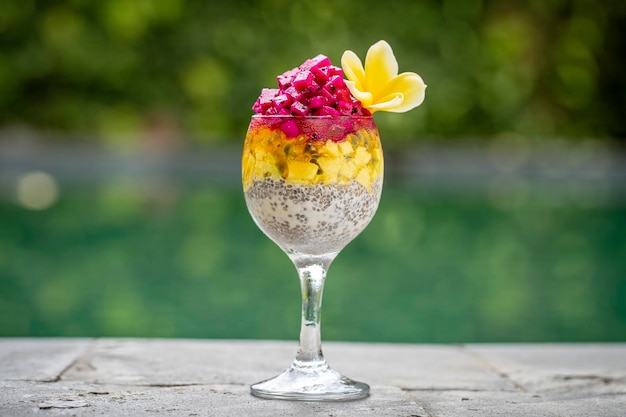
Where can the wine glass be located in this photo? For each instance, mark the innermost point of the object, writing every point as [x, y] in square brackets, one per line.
[312, 184]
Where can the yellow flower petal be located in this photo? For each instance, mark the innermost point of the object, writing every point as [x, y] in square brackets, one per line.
[411, 86]
[353, 68]
[380, 66]
[364, 97]
[387, 103]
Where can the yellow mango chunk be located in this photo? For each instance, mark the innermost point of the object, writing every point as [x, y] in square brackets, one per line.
[267, 167]
[300, 170]
[346, 148]
[331, 148]
[366, 137]
[247, 166]
[362, 156]
[377, 154]
[330, 168]
[363, 178]
[348, 170]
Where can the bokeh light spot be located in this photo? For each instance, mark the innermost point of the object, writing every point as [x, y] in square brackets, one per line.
[37, 190]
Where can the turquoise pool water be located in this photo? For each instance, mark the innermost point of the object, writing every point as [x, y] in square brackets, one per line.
[123, 258]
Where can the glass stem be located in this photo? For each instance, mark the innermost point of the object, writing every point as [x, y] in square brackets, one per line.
[312, 272]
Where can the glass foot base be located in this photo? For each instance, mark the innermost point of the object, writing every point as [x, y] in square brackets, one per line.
[310, 384]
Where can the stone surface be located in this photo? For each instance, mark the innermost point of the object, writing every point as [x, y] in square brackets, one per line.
[38, 359]
[26, 398]
[554, 368]
[414, 367]
[171, 377]
[517, 404]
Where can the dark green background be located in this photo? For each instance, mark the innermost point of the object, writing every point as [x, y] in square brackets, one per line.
[110, 69]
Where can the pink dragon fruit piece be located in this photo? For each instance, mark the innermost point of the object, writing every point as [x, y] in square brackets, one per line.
[332, 71]
[282, 101]
[303, 97]
[334, 83]
[321, 75]
[285, 79]
[344, 107]
[326, 111]
[317, 101]
[316, 62]
[292, 92]
[264, 101]
[358, 109]
[303, 81]
[289, 128]
[321, 91]
[271, 111]
[267, 94]
[299, 109]
[343, 95]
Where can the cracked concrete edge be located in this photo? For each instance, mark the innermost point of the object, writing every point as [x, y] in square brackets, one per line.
[40, 359]
[555, 369]
[494, 368]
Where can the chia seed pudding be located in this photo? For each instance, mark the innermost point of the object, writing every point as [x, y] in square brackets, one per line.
[312, 219]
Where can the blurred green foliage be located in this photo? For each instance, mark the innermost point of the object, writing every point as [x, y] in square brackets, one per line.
[111, 68]
[124, 258]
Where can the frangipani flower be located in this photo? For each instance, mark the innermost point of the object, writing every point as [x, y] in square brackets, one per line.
[378, 86]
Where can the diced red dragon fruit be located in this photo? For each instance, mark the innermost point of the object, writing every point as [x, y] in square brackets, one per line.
[344, 107]
[321, 75]
[264, 101]
[282, 101]
[335, 71]
[289, 128]
[317, 101]
[314, 88]
[303, 97]
[343, 95]
[299, 109]
[303, 81]
[358, 109]
[317, 62]
[271, 111]
[334, 83]
[325, 111]
[321, 91]
[292, 92]
[267, 94]
[284, 80]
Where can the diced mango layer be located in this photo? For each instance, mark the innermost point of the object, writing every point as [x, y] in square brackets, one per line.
[268, 153]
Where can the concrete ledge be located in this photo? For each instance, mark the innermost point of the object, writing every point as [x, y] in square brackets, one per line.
[173, 377]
